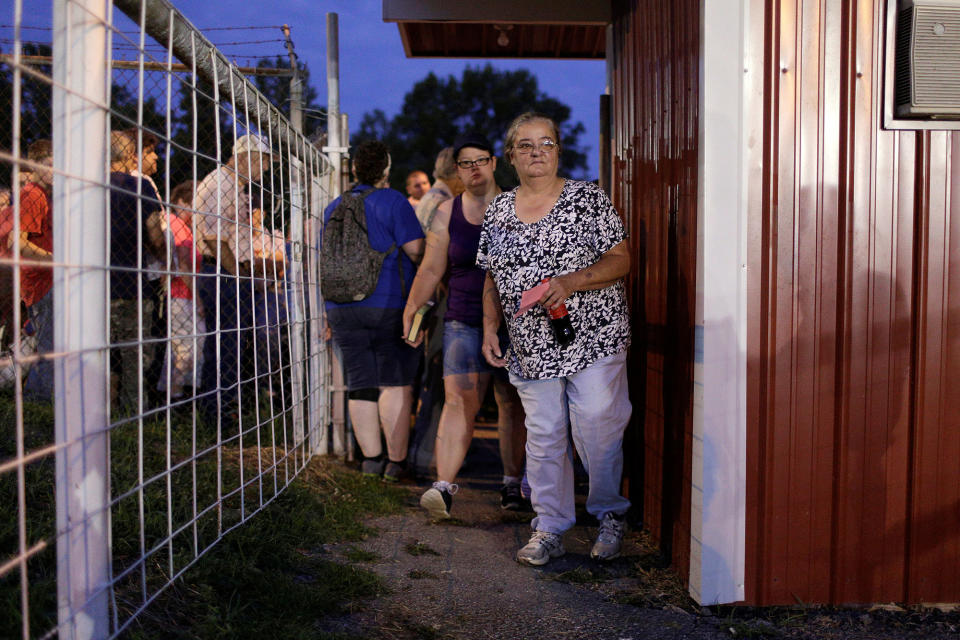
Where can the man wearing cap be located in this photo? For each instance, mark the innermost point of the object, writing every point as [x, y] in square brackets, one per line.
[224, 240]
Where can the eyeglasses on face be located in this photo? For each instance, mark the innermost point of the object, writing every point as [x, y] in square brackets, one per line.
[469, 164]
[545, 146]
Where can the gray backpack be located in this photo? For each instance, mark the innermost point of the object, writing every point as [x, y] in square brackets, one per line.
[349, 266]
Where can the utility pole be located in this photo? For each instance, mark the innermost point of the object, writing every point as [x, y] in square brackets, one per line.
[296, 85]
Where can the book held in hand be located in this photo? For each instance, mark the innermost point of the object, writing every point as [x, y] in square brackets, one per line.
[417, 323]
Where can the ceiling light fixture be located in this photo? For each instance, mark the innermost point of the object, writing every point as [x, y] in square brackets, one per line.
[503, 40]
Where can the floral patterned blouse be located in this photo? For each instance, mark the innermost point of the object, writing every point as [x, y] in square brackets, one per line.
[582, 226]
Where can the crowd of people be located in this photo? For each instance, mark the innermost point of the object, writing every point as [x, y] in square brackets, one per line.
[180, 324]
[525, 288]
[528, 284]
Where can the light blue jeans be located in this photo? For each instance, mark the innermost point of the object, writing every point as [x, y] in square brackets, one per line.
[596, 404]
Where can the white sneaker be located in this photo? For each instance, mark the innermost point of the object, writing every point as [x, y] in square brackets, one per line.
[438, 499]
[542, 546]
[609, 538]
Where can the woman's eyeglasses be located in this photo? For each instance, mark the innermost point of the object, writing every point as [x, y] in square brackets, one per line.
[469, 164]
[545, 146]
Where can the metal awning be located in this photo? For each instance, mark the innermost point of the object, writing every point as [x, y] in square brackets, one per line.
[501, 28]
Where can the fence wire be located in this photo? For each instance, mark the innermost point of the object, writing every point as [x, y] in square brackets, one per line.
[162, 371]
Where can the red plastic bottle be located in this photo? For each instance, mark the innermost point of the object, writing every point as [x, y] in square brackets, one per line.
[561, 325]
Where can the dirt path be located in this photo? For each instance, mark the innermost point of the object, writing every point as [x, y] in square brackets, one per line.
[458, 580]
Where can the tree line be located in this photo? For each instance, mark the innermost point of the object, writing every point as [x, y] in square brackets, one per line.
[434, 112]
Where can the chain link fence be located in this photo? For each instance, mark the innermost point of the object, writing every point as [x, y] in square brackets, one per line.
[162, 370]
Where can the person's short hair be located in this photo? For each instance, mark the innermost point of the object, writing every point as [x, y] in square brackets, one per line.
[370, 159]
[39, 149]
[414, 174]
[523, 119]
[183, 192]
[121, 146]
[149, 140]
[445, 167]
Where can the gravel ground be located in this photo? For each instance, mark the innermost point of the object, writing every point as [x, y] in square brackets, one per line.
[459, 580]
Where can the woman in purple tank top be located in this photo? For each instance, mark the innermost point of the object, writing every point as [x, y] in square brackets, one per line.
[452, 241]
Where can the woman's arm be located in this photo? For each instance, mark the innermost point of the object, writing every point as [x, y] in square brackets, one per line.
[492, 317]
[431, 270]
[612, 266]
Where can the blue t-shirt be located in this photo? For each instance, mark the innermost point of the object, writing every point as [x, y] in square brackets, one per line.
[390, 220]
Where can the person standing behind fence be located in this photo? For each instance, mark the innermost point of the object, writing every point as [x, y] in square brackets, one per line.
[452, 252]
[156, 284]
[186, 331]
[136, 237]
[223, 239]
[36, 245]
[270, 298]
[378, 365]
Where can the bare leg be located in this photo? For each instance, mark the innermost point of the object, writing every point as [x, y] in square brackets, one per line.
[366, 426]
[510, 427]
[463, 393]
[395, 404]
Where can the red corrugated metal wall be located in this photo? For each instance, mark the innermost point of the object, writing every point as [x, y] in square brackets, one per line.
[854, 322]
[853, 424]
[654, 104]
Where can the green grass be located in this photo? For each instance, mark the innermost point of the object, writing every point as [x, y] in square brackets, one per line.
[266, 578]
[359, 555]
[269, 578]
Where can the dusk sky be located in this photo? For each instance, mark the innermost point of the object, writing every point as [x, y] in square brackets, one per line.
[374, 72]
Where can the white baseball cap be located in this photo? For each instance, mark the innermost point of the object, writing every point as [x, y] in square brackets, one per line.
[250, 143]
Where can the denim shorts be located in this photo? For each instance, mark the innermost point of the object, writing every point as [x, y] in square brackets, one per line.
[461, 349]
[373, 353]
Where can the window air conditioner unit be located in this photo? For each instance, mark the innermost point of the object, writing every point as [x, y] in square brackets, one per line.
[927, 69]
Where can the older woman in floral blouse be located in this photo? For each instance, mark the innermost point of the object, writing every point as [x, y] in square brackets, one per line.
[562, 242]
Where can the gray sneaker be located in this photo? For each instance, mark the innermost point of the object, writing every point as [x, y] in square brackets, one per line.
[609, 538]
[371, 467]
[542, 546]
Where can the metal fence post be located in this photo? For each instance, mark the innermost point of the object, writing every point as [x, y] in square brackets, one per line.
[334, 148]
[80, 307]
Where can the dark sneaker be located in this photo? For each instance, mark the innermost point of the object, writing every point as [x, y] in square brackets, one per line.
[437, 500]
[393, 471]
[371, 468]
[511, 499]
[609, 538]
[541, 548]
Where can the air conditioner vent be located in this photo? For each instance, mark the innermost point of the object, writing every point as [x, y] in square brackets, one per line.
[927, 61]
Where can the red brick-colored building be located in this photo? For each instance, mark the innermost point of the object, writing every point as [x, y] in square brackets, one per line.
[796, 290]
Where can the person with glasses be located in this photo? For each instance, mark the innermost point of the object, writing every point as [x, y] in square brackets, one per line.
[452, 249]
[553, 244]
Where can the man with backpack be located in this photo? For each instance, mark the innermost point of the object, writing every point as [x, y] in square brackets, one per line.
[371, 242]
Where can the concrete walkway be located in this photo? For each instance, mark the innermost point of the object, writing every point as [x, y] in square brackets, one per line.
[459, 579]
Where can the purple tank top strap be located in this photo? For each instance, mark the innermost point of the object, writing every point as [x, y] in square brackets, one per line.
[466, 278]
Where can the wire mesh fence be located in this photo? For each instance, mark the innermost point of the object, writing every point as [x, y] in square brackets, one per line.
[162, 372]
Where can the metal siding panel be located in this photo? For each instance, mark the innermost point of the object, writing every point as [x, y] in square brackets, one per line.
[852, 297]
[934, 550]
[656, 49]
[853, 434]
